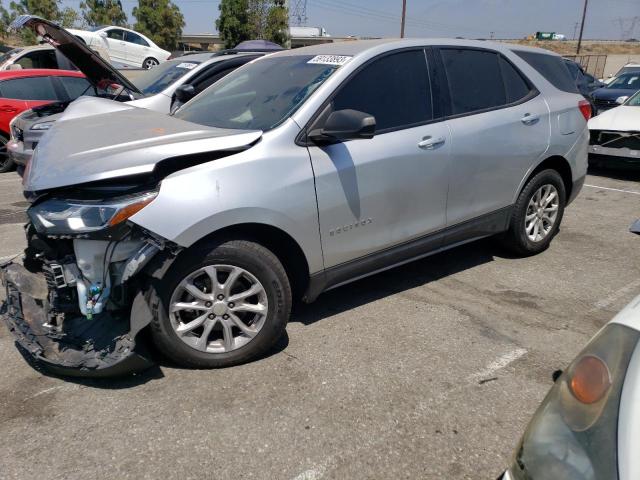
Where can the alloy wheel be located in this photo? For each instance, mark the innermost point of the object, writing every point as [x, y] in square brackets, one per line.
[218, 308]
[542, 213]
[150, 63]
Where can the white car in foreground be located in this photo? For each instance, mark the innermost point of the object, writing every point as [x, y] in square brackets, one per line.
[588, 426]
[615, 134]
[125, 46]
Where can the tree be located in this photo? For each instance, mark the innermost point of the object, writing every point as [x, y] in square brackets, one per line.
[49, 9]
[160, 20]
[233, 22]
[241, 20]
[277, 24]
[5, 21]
[103, 12]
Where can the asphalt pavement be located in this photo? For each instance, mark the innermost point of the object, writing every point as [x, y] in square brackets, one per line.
[431, 370]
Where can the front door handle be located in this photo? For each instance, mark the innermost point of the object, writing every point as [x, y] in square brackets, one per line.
[529, 119]
[8, 109]
[430, 143]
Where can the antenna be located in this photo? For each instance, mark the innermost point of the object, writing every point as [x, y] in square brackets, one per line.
[298, 12]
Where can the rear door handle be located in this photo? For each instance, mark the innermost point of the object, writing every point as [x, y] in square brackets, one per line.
[430, 143]
[529, 119]
[8, 109]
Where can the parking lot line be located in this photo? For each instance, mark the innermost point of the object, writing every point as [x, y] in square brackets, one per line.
[500, 363]
[613, 189]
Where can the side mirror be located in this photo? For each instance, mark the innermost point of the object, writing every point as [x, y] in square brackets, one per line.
[184, 93]
[14, 66]
[103, 34]
[635, 227]
[345, 125]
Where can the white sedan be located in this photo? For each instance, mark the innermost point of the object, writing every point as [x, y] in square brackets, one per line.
[615, 134]
[125, 46]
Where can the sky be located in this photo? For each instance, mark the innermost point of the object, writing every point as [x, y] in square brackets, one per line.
[439, 18]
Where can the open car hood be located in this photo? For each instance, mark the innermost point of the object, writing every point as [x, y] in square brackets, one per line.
[95, 68]
[127, 141]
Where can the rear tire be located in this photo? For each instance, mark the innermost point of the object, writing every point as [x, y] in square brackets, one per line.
[228, 333]
[6, 164]
[149, 63]
[537, 214]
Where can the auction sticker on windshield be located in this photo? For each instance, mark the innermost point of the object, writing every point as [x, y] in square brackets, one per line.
[330, 59]
[186, 65]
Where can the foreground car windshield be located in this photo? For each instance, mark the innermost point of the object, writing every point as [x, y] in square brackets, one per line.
[157, 79]
[258, 96]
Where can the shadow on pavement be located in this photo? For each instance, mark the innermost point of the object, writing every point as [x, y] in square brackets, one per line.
[616, 172]
[399, 279]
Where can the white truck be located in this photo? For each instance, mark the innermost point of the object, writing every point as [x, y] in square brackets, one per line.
[308, 32]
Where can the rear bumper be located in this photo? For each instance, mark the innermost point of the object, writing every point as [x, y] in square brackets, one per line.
[102, 347]
[18, 153]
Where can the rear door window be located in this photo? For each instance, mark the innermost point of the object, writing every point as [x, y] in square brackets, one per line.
[30, 88]
[395, 89]
[76, 87]
[135, 38]
[552, 68]
[39, 59]
[516, 87]
[474, 78]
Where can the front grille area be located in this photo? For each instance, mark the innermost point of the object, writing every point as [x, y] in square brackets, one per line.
[600, 103]
[611, 139]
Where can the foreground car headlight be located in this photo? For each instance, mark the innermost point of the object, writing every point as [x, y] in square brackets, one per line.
[573, 435]
[42, 126]
[64, 217]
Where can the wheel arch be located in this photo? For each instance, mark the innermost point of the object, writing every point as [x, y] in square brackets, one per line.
[554, 162]
[279, 242]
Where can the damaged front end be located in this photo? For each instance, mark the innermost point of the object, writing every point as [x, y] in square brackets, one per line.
[78, 301]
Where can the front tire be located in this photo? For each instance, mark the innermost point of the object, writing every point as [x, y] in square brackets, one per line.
[6, 164]
[150, 63]
[537, 214]
[221, 306]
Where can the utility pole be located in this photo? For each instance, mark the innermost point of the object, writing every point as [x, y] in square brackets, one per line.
[404, 16]
[575, 30]
[584, 14]
[491, 34]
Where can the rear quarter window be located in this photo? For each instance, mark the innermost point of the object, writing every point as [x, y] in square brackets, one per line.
[552, 68]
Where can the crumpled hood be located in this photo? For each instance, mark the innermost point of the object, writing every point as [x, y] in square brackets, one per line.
[128, 141]
[623, 118]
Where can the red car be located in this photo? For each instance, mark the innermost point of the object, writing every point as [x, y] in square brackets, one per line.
[21, 90]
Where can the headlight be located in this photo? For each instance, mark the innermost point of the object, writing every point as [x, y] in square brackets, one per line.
[65, 217]
[622, 99]
[573, 435]
[42, 126]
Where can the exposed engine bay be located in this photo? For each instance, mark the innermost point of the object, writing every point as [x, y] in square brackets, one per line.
[77, 302]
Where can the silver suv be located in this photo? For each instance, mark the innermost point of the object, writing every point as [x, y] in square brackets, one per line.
[297, 173]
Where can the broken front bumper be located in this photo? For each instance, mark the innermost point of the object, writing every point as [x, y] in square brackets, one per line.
[102, 347]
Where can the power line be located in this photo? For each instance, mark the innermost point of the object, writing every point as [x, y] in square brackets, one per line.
[298, 12]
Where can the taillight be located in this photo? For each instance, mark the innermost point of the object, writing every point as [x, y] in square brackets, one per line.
[585, 108]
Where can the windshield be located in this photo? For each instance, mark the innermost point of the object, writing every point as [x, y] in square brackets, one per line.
[11, 53]
[260, 95]
[160, 77]
[634, 101]
[627, 81]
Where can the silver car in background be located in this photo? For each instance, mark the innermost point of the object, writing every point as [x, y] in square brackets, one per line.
[296, 173]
